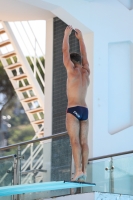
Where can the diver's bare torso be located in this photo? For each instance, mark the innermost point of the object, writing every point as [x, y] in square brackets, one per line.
[77, 122]
[77, 84]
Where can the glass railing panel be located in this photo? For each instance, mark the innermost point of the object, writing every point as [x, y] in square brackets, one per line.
[123, 174]
[50, 160]
[6, 167]
[6, 198]
[6, 174]
[35, 196]
[32, 163]
[61, 163]
[97, 173]
[45, 162]
[8, 152]
[111, 175]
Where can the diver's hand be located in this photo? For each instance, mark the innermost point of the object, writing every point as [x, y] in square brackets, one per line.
[78, 34]
[68, 30]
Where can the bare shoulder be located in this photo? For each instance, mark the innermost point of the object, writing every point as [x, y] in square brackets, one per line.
[69, 67]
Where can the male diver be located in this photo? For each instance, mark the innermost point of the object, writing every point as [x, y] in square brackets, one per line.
[77, 122]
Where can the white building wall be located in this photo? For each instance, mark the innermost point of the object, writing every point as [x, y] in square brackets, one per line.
[111, 22]
[48, 99]
[48, 78]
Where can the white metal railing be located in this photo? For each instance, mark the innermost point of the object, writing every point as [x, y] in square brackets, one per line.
[39, 162]
[29, 175]
[31, 47]
[8, 48]
[31, 158]
[37, 165]
[38, 71]
[29, 145]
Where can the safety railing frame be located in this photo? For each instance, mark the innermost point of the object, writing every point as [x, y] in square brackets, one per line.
[110, 155]
[111, 167]
[8, 157]
[35, 56]
[14, 169]
[33, 141]
[18, 157]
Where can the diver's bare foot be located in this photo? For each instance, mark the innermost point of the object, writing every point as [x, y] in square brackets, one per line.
[83, 178]
[77, 176]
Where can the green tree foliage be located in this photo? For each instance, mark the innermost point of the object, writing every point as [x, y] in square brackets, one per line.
[21, 129]
[22, 133]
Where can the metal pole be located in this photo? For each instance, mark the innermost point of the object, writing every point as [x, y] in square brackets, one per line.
[14, 197]
[18, 164]
[31, 155]
[15, 171]
[7, 157]
[111, 176]
[18, 168]
[31, 162]
[33, 141]
[35, 59]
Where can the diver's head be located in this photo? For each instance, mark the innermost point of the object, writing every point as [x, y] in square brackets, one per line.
[75, 58]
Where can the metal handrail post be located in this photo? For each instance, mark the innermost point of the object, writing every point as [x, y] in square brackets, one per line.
[110, 169]
[31, 154]
[18, 164]
[14, 197]
[35, 140]
[15, 171]
[111, 176]
[18, 175]
[35, 59]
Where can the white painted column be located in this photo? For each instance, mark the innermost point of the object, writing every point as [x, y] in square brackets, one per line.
[48, 77]
[48, 98]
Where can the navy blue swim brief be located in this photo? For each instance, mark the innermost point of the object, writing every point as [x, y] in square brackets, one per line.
[81, 113]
